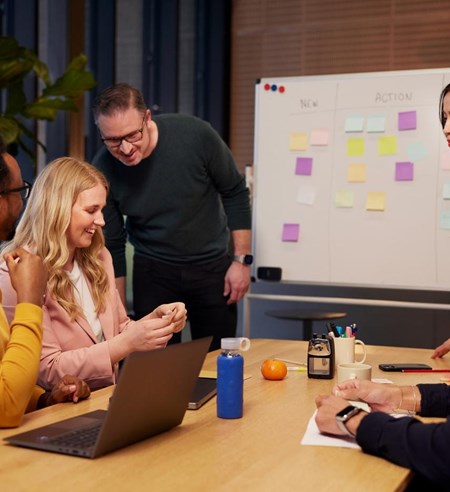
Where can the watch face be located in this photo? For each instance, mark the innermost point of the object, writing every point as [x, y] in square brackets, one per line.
[348, 412]
[248, 259]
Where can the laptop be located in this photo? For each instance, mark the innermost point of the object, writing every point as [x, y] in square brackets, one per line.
[204, 390]
[151, 396]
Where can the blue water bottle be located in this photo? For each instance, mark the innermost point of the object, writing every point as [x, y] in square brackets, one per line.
[230, 378]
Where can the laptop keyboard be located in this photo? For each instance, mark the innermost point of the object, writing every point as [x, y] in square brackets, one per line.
[79, 439]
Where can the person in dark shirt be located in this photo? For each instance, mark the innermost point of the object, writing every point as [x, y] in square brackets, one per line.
[444, 114]
[176, 194]
[406, 441]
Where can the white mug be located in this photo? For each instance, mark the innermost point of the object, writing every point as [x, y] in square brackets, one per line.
[344, 350]
[354, 370]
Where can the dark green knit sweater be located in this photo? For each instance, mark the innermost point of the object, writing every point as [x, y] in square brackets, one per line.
[180, 202]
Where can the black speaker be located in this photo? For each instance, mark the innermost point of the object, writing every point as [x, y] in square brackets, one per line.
[269, 273]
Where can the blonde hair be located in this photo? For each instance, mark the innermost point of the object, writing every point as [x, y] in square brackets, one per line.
[44, 224]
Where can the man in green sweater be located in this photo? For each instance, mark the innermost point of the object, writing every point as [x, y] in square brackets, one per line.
[176, 183]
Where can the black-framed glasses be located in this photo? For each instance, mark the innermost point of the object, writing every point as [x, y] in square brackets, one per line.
[23, 190]
[133, 137]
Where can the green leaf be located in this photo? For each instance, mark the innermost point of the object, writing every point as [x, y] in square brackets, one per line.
[11, 71]
[41, 70]
[44, 108]
[9, 130]
[71, 84]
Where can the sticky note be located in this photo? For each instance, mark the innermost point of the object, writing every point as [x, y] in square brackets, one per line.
[355, 146]
[404, 171]
[303, 166]
[375, 201]
[445, 219]
[354, 124]
[356, 173]
[446, 191]
[291, 232]
[387, 145]
[344, 199]
[298, 141]
[376, 124]
[407, 120]
[416, 151]
[319, 137]
[306, 195]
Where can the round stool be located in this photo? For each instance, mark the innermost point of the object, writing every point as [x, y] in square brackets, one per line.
[307, 317]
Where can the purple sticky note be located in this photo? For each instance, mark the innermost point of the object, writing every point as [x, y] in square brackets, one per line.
[290, 232]
[407, 120]
[304, 166]
[404, 171]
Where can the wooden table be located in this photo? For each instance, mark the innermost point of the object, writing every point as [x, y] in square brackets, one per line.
[259, 452]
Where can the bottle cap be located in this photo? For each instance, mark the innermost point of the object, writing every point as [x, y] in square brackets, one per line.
[240, 343]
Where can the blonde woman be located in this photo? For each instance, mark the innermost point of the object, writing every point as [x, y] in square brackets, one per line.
[86, 330]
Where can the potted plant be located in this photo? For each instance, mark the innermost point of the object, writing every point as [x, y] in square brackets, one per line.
[16, 64]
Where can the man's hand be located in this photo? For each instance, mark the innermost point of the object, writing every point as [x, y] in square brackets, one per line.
[237, 281]
[28, 276]
[69, 388]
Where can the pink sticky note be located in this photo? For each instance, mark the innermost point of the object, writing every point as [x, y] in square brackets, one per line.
[304, 166]
[407, 120]
[290, 232]
[404, 171]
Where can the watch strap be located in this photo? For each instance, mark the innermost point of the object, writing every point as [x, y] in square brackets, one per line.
[244, 259]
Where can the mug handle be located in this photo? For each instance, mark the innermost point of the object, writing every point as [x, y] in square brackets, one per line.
[364, 354]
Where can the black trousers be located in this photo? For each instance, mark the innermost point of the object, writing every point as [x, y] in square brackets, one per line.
[200, 287]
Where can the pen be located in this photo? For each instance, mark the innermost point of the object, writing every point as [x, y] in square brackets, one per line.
[426, 370]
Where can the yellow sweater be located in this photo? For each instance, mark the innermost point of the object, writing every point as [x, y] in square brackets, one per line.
[20, 349]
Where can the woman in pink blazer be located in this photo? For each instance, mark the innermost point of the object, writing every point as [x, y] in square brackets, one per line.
[86, 330]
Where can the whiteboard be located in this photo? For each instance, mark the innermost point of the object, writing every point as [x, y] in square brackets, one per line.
[352, 179]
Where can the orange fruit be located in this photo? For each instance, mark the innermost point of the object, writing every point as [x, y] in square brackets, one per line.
[273, 369]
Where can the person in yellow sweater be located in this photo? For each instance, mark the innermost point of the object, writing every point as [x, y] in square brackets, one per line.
[20, 342]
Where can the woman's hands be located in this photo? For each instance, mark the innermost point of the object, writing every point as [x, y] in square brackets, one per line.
[175, 312]
[150, 332]
[380, 397]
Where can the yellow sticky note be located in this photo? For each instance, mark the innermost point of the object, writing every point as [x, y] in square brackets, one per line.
[298, 141]
[356, 173]
[355, 146]
[375, 201]
[344, 199]
[387, 145]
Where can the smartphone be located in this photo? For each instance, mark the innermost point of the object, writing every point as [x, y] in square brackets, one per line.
[403, 367]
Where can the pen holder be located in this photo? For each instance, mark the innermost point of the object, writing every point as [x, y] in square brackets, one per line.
[321, 357]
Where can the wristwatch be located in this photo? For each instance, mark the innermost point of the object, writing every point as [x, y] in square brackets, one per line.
[244, 259]
[344, 415]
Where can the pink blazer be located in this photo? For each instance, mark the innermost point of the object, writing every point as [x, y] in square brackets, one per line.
[70, 347]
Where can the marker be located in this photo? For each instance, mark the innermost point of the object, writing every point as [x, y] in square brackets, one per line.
[296, 368]
[426, 370]
[332, 327]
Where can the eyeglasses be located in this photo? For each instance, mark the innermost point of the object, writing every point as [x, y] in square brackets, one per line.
[133, 137]
[23, 190]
